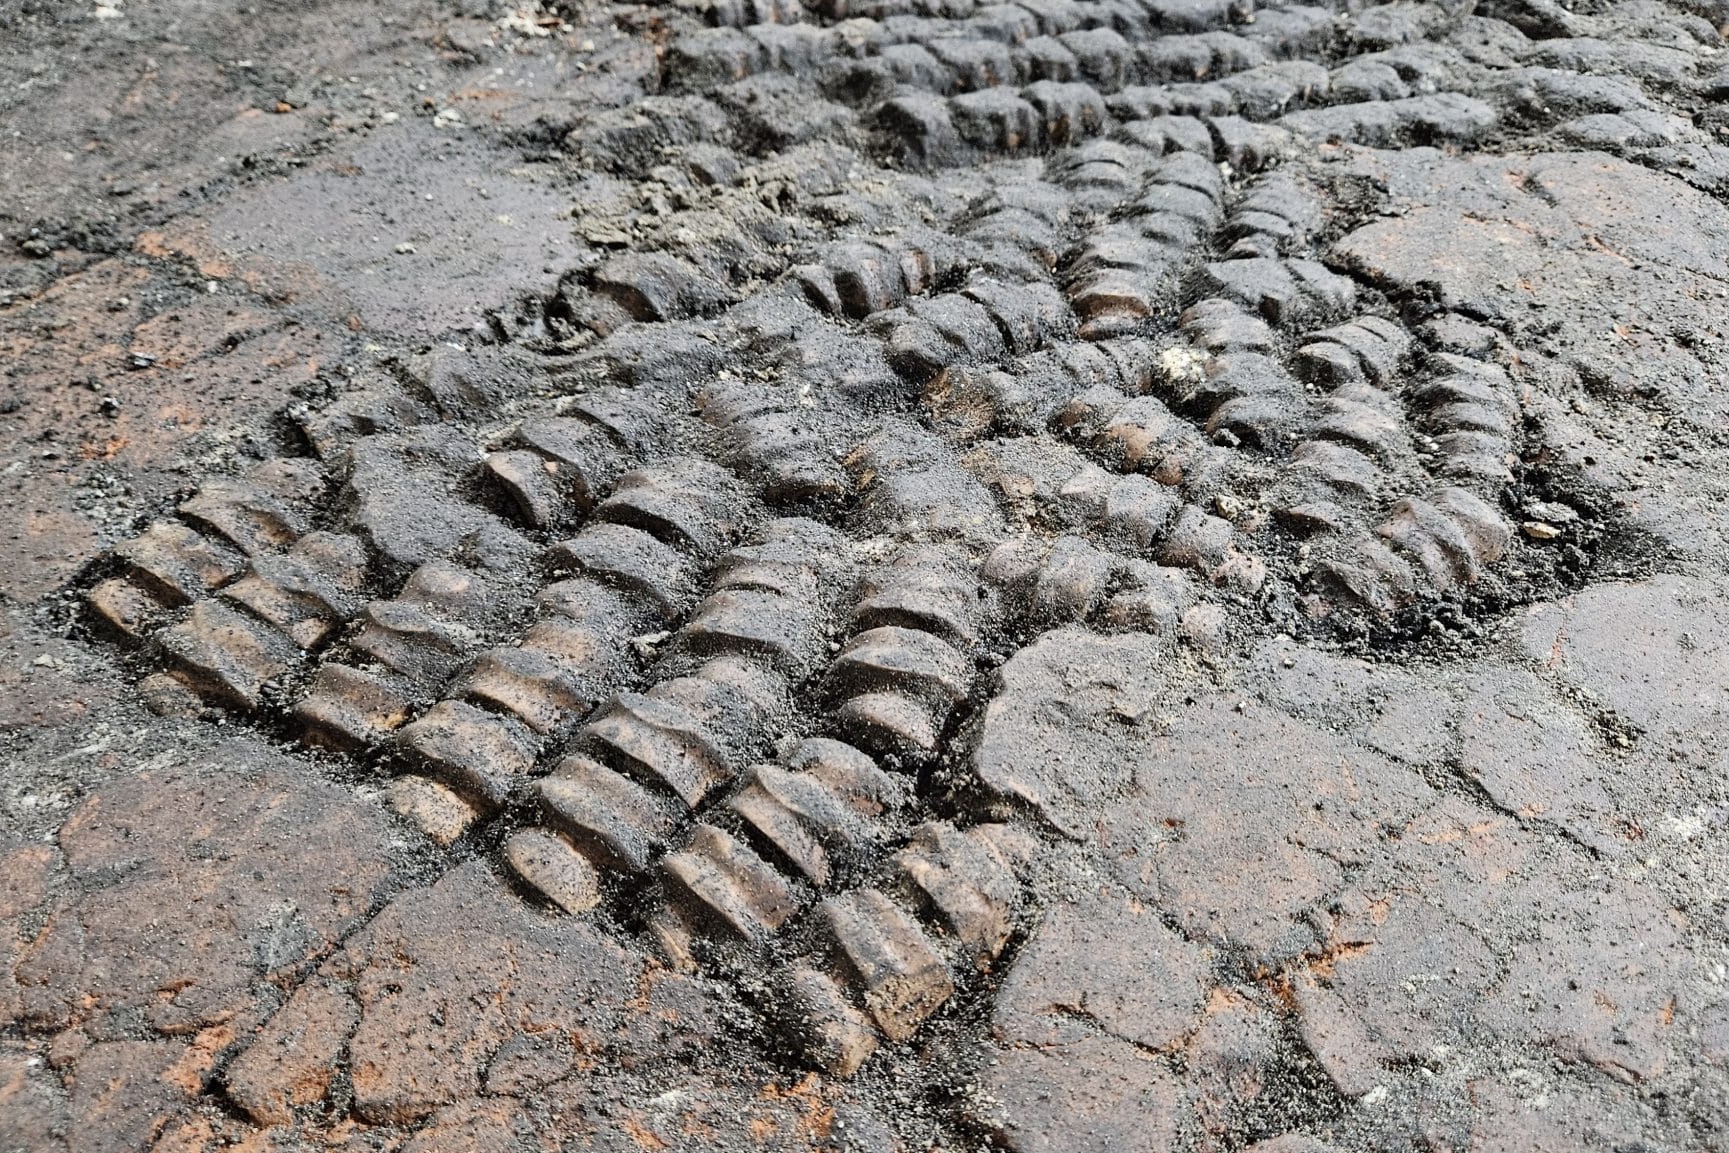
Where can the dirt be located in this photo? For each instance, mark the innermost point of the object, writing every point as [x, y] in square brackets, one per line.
[895, 575]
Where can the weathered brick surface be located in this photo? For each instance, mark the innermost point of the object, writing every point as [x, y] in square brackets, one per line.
[1537, 758]
[186, 888]
[1400, 923]
[1106, 964]
[292, 1060]
[1224, 470]
[1104, 687]
[32, 1102]
[152, 937]
[1652, 651]
[1244, 822]
[1504, 237]
[1094, 1094]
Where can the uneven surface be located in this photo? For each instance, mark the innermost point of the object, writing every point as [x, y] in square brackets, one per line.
[887, 575]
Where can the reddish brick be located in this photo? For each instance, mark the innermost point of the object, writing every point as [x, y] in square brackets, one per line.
[1243, 820]
[292, 1060]
[1069, 703]
[1398, 979]
[124, 1095]
[1107, 963]
[1594, 967]
[1230, 1063]
[471, 1126]
[1655, 652]
[32, 1104]
[1393, 711]
[1602, 979]
[1536, 758]
[26, 878]
[197, 882]
[446, 976]
[1534, 1114]
[1291, 1143]
[1097, 1095]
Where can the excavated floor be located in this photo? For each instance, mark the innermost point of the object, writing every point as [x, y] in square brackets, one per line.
[881, 575]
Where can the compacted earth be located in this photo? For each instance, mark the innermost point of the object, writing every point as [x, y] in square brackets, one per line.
[1055, 575]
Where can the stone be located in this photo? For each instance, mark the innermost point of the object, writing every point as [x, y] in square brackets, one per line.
[531, 481]
[686, 503]
[248, 514]
[850, 774]
[167, 695]
[1013, 301]
[431, 807]
[1065, 583]
[634, 561]
[413, 639]
[1382, 123]
[658, 740]
[1648, 650]
[177, 564]
[1197, 540]
[658, 286]
[579, 453]
[400, 483]
[1404, 716]
[1600, 981]
[127, 607]
[1291, 1143]
[1593, 967]
[350, 709]
[927, 589]
[531, 686]
[1541, 1116]
[1339, 1043]
[307, 593]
